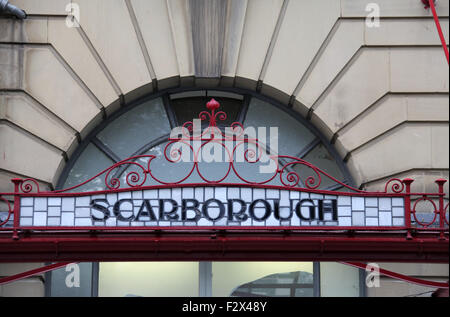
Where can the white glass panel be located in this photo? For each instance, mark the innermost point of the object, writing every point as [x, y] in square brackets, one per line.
[158, 279]
[135, 128]
[292, 135]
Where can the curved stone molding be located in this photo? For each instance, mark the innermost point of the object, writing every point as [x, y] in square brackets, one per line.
[108, 26]
[259, 26]
[410, 146]
[397, 8]
[324, 68]
[153, 19]
[297, 43]
[23, 111]
[391, 111]
[25, 155]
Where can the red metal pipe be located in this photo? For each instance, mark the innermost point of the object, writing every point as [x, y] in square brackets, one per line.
[401, 277]
[20, 276]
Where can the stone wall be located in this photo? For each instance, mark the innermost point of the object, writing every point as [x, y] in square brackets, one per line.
[379, 94]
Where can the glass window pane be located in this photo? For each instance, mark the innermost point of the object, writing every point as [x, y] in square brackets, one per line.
[281, 278]
[135, 128]
[279, 285]
[4, 215]
[321, 158]
[60, 288]
[271, 292]
[161, 168]
[169, 172]
[248, 278]
[338, 280]
[304, 292]
[292, 135]
[149, 279]
[91, 162]
[188, 109]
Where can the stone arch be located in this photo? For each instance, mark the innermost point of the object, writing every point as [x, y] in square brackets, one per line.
[323, 68]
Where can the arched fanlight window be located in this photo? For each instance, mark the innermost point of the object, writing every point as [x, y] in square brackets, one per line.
[144, 127]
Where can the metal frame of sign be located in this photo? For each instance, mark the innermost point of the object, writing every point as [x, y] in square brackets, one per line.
[412, 241]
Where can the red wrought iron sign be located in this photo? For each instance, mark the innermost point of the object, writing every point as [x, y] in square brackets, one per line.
[227, 207]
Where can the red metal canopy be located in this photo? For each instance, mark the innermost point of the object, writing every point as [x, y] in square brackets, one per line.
[415, 240]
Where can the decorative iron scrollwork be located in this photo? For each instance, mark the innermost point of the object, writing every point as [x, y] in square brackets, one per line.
[10, 212]
[252, 150]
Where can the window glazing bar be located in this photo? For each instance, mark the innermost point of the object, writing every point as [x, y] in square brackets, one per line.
[205, 279]
[106, 150]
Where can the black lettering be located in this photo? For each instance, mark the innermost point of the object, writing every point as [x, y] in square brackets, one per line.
[168, 215]
[118, 212]
[312, 209]
[206, 206]
[194, 204]
[328, 207]
[146, 210]
[277, 210]
[266, 206]
[104, 210]
[240, 216]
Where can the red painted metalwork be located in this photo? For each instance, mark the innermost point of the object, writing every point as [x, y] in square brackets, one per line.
[401, 277]
[435, 211]
[222, 246]
[7, 203]
[441, 212]
[432, 5]
[290, 180]
[44, 269]
[17, 182]
[212, 134]
[446, 212]
[408, 183]
[420, 242]
[427, 3]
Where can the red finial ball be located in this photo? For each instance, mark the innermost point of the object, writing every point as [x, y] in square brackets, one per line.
[213, 105]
